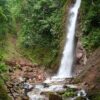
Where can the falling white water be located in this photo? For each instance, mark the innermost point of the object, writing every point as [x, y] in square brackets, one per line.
[65, 69]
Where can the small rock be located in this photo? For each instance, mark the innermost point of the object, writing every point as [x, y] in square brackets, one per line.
[30, 69]
[45, 85]
[18, 98]
[25, 98]
[10, 84]
[15, 94]
[79, 55]
[21, 79]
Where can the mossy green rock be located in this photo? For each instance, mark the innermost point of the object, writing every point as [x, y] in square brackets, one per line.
[81, 98]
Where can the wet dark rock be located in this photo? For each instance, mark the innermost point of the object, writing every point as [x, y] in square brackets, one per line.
[25, 98]
[45, 85]
[65, 86]
[54, 97]
[20, 68]
[11, 70]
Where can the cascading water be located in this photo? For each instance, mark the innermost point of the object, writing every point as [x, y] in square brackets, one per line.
[65, 70]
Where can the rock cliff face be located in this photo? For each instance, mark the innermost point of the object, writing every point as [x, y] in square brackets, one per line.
[89, 78]
[91, 72]
[87, 65]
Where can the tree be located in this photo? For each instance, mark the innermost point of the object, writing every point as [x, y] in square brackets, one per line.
[4, 18]
[40, 27]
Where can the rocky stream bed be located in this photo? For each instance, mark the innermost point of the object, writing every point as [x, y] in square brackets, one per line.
[21, 72]
[29, 82]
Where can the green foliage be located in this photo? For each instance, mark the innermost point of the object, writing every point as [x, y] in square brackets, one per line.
[14, 7]
[1, 57]
[92, 41]
[40, 22]
[90, 18]
[69, 93]
[40, 32]
[37, 23]
[3, 67]
[4, 19]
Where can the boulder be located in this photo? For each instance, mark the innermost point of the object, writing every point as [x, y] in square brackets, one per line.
[54, 97]
[79, 55]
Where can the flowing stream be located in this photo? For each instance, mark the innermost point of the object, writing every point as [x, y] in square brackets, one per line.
[65, 69]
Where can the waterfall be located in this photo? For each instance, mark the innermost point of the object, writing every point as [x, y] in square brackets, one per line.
[65, 70]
